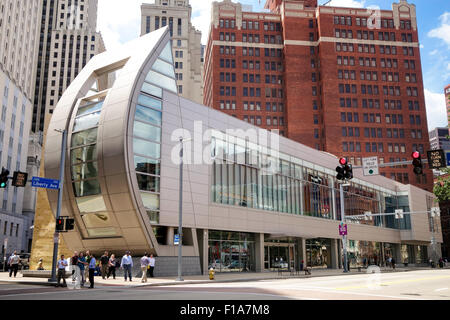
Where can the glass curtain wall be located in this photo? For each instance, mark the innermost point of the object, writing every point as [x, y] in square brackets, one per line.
[84, 170]
[147, 131]
[248, 175]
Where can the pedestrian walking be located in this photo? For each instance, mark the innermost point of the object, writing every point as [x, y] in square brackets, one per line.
[104, 261]
[92, 264]
[88, 260]
[82, 264]
[393, 263]
[441, 263]
[127, 264]
[144, 265]
[62, 264]
[40, 265]
[112, 267]
[152, 263]
[74, 262]
[13, 262]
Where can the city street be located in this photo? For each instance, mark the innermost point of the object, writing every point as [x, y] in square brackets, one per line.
[413, 285]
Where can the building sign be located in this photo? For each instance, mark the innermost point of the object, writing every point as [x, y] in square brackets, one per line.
[436, 159]
[370, 166]
[448, 159]
[176, 239]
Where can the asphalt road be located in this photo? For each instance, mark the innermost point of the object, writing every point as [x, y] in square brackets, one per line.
[414, 285]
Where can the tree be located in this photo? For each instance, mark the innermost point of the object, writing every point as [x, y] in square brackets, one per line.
[442, 186]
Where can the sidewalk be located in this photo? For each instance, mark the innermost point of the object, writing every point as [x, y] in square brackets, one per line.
[204, 279]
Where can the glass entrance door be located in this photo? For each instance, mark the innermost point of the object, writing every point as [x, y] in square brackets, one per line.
[279, 257]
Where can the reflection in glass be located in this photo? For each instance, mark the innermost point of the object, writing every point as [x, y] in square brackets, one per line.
[151, 201]
[148, 183]
[102, 232]
[146, 131]
[91, 204]
[166, 54]
[151, 90]
[86, 188]
[164, 68]
[147, 148]
[162, 81]
[84, 154]
[97, 220]
[84, 137]
[146, 165]
[148, 115]
[84, 171]
[87, 121]
[153, 216]
[150, 102]
[90, 108]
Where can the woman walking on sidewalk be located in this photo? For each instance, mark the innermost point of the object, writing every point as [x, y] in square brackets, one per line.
[112, 266]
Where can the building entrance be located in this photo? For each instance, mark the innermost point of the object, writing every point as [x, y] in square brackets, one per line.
[279, 256]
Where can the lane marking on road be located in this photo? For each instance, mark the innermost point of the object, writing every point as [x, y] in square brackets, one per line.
[441, 289]
[393, 282]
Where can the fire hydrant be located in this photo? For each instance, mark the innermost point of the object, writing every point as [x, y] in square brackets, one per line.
[211, 274]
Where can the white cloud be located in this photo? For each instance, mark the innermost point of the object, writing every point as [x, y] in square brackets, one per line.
[119, 21]
[348, 3]
[436, 109]
[443, 31]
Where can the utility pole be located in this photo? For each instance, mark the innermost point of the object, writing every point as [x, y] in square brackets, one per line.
[344, 237]
[58, 210]
[180, 216]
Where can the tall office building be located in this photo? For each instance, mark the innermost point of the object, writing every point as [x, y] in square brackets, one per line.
[186, 42]
[19, 34]
[343, 80]
[68, 39]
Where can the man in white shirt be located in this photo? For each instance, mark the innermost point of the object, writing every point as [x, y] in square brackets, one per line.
[62, 264]
[152, 265]
[127, 264]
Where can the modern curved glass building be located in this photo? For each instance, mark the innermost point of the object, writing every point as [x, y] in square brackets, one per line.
[249, 204]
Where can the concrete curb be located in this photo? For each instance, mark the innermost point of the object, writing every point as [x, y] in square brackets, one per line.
[206, 281]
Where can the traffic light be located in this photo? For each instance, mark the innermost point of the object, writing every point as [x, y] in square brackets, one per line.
[70, 224]
[417, 162]
[344, 171]
[60, 224]
[19, 179]
[4, 178]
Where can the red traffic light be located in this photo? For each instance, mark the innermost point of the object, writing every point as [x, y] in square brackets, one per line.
[415, 155]
[343, 161]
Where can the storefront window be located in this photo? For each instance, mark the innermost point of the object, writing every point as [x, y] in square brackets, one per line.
[231, 251]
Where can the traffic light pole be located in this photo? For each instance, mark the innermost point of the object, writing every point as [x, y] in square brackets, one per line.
[344, 237]
[58, 210]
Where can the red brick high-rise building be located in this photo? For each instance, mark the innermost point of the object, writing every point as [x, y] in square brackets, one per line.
[447, 101]
[343, 80]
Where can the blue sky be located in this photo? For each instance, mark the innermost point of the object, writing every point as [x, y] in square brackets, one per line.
[119, 22]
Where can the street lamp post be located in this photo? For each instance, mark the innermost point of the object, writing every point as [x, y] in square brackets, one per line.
[344, 237]
[180, 216]
[58, 210]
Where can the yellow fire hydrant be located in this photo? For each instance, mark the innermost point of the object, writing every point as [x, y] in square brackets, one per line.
[211, 274]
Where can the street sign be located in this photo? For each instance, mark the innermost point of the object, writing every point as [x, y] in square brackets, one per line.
[370, 166]
[436, 159]
[176, 239]
[39, 182]
[448, 159]
[342, 229]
